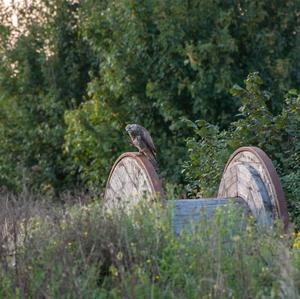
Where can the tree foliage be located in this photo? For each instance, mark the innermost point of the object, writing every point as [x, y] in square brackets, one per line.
[44, 72]
[163, 61]
[73, 74]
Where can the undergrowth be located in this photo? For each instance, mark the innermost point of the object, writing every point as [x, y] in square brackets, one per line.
[82, 250]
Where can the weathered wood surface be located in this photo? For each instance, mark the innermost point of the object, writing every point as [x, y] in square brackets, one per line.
[131, 179]
[189, 211]
[250, 175]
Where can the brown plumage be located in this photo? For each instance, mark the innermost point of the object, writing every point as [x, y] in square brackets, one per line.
[142, 140]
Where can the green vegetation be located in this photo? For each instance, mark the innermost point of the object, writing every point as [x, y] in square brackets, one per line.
[44, 72]
[277, 133]
[73, 73]
[83, 251]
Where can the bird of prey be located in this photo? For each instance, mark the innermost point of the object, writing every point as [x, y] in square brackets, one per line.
[142, 140]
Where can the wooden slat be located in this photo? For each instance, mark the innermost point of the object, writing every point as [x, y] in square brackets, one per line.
[189, 211]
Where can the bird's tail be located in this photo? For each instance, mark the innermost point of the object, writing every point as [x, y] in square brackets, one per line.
[153, 162]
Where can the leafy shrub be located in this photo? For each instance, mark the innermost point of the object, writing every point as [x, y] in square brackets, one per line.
[277, 134]
[93, 139]
[44, 72]
[85, 251]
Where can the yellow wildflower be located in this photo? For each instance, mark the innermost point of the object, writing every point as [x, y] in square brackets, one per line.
[119, 255]
[236, 238]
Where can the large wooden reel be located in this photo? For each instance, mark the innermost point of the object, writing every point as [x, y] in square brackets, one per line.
[132, 177]
[249, 177]
[249, 174]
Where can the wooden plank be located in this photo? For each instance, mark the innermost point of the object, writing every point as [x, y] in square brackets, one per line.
[187, 212]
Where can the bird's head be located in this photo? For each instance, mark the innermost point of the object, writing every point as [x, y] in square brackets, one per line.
[131, 128]
[128, 128]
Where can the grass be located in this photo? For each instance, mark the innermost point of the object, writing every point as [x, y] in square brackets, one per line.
[81, 250]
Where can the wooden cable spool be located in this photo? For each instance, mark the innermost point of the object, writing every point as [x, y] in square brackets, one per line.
[249, 177]
[131, 178]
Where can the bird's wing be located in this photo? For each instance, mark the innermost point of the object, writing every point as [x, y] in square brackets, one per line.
[149, 142]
